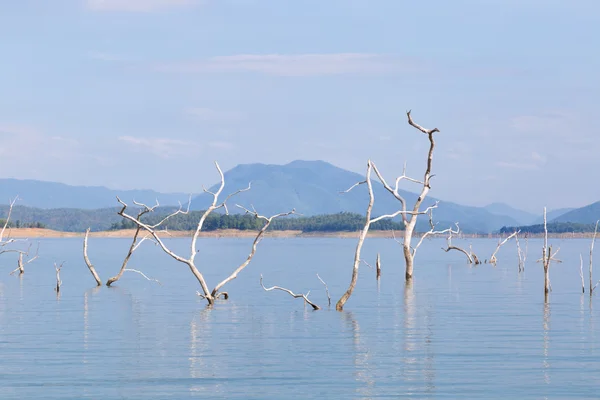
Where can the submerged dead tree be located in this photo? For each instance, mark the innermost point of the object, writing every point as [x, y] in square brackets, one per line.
[206, 293]
[294, 295]
[87, 260]
[409, 218]
[450, 246]
[592, 288]
[365, 230]
[136, 241]
[493, 259]
[21, 264]
[547, 256]
[58, 281]
[520, 253]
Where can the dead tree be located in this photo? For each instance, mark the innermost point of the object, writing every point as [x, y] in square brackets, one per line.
[581, 273]
[58, 281]
[473, 256]
[378, 266]
[207, 294]
[136, 241]
[21, 264]
[547, 256]
[267, 222]
[592, 288]
[449, 245]
[520, 253]
[493, 259]
[365, 230]
[294, 295]
[87, 260]
[409, 218]
[326, 290]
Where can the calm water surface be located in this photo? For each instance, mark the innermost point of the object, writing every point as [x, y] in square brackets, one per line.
[457, 332]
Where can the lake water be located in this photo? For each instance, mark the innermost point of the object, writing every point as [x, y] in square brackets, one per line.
[457, 332]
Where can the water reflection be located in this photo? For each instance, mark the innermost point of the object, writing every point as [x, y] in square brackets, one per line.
[202, 362]
[364, 374]
[419, 357]
[546, 342]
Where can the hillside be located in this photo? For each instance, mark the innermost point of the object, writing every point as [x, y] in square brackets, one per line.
[552, 215]
[40, 194]
[585, 215]
[313, 187]
[522, 217]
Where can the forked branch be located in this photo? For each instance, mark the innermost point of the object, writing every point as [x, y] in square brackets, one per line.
[450, 246]
[20, 263]
[493, 258]
[257, 239]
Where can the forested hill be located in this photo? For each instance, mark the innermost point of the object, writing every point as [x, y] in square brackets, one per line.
[77, 220]
[553, 227]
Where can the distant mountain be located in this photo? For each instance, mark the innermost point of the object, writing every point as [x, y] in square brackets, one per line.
[552, 215]
[522, 217]
[584, 215]
[313, 187]
[47, 195]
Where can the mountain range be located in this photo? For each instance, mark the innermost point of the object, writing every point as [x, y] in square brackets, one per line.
[311, 187]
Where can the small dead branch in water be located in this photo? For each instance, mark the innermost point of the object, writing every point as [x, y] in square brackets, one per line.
[21, 264]
[326, 290]
[520, 253]
[449, 245]
[142, 274]
[493, 259]
[591, 257]
[58, 281]
[87, 260]
[303, 296]
[581, 273]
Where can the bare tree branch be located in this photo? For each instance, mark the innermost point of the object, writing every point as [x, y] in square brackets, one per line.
[326, 290]
[58, 281]
[257, 240]
[20, 263]
[190, 262]
[339, 306]
[10, 208]
[449, 245]
[591, 258]
[142, 274]
[520, 253]
[135, 243]
[493, 258]
[313, 305]
[87, 260]
[410, 223]
[546, 258]
[581, 273]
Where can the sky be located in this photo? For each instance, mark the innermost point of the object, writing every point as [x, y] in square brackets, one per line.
[148, 93]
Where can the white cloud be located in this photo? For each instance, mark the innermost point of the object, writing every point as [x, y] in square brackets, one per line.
[295, 64]
[137, 5]
[161, 147]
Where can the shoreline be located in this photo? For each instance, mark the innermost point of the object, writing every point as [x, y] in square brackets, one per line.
[36, 233]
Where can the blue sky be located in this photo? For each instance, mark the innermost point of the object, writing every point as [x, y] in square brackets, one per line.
[146, 94]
